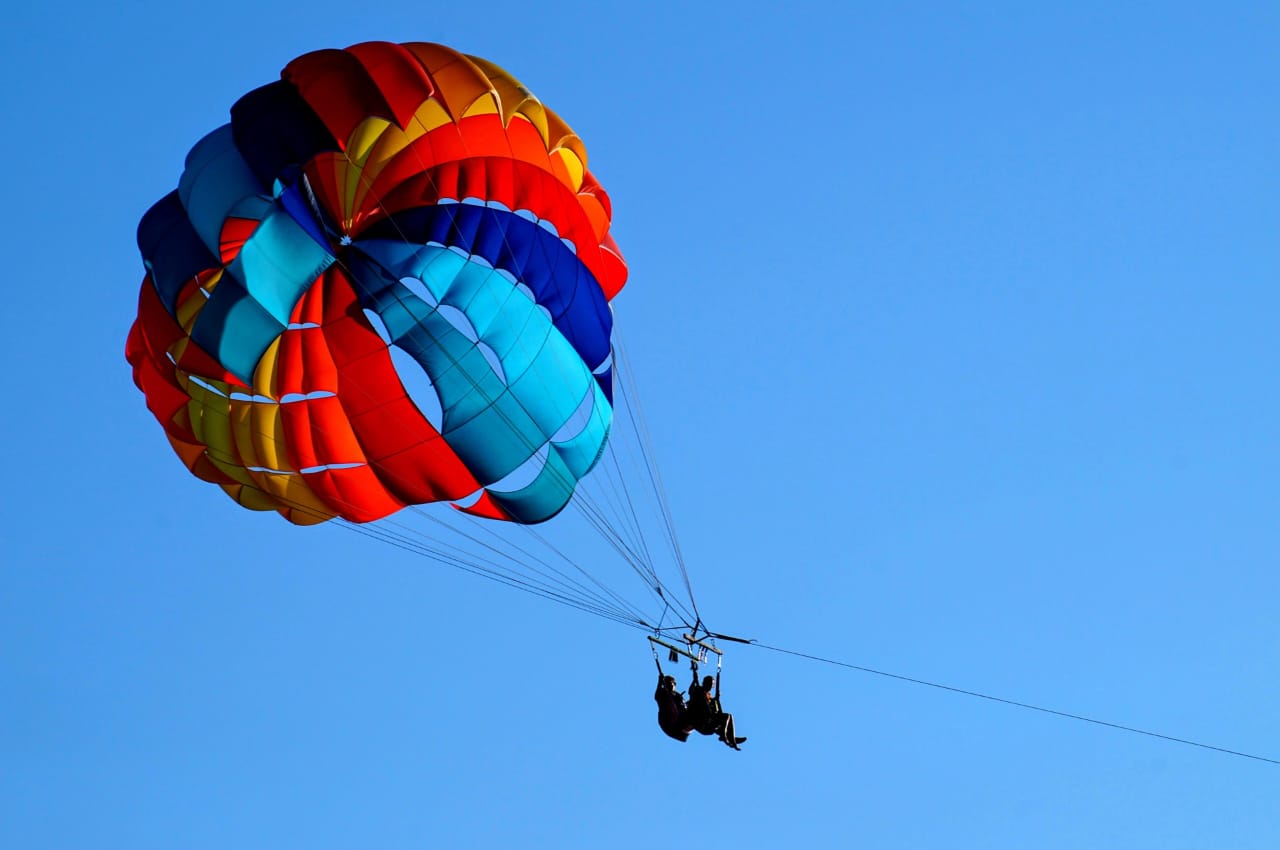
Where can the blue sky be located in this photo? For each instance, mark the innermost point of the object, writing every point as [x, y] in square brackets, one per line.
[955, 330]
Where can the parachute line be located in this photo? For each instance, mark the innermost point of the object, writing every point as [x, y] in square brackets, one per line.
[1015, 703]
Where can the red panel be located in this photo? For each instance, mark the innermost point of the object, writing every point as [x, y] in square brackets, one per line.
[338, 89]
[425, 472]
[331, 302]
[158, 330]
[399, 76]
[235, 232]
[518, 185]
[317, 433]
[356, 494]
[303, 363]
[322, 173]
[164, 397]
[486, 507]
[613, 269]
[411, 457]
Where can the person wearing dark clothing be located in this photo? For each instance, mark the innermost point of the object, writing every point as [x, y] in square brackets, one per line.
[704, 712]
[672, 714]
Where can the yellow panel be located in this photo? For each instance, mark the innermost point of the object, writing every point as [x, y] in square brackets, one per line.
[220, 388]
[268, 435]
[389, 144]
[179, 347]
[486, 104]
[514, 97]
[253, 498]
[293, 492]
[191, 306]
[375, 155]
[350, 177]
[264, 374]
[231, 470]
[241, 427]
[572, 165]
[364, 137]
[458, 81]
[562, 136]
[211, 426]
[430, 115]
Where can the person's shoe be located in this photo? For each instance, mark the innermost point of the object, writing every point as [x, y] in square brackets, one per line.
[739, 740]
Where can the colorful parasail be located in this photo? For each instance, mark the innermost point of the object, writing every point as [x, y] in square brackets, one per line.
[385, 282]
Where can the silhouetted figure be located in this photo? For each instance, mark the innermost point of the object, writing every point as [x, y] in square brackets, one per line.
[704, 712]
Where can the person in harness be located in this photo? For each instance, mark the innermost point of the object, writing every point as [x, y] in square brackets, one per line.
[704, 712]
[673, 716]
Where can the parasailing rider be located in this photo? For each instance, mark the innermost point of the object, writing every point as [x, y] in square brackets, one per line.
[704, 712]
[672, 713]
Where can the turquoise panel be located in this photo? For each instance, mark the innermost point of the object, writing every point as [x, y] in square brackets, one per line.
[235, 329]
[215, 180]
[279, 263]
[545, 497]
[495, 427]
[581, 452]
[494, 443]
[553, 385]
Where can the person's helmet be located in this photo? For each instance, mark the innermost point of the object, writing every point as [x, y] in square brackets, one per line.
[707, 682]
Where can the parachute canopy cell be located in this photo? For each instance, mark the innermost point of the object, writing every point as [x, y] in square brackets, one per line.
[384, 282]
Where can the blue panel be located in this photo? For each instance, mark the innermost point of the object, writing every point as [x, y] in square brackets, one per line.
[542, 499]
[580, 452]
[215, 180]
[493, 425]
[235, 329]
[279, 263]
[558, 279]
[275, 128]
[296, 204]
[553, 385]
[495, 442]
[171, 249]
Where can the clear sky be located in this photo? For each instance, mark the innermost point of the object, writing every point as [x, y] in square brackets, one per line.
[955, 326]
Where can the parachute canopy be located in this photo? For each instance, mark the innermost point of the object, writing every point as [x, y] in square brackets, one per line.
[385, 282]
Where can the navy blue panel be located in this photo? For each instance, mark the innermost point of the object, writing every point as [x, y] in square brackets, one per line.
[300, 211]
[605, 380]
[537, 258]
[273, 127]
[171, 249]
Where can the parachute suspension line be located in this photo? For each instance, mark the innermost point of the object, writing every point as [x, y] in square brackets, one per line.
[481, 526]
[540, 538]
[1014, 703]
[402, 542]
[636, 412]
[650, 579]
[615, 469]
[607, 478]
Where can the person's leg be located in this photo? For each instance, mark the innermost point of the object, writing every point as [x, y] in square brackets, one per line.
[730, 736]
